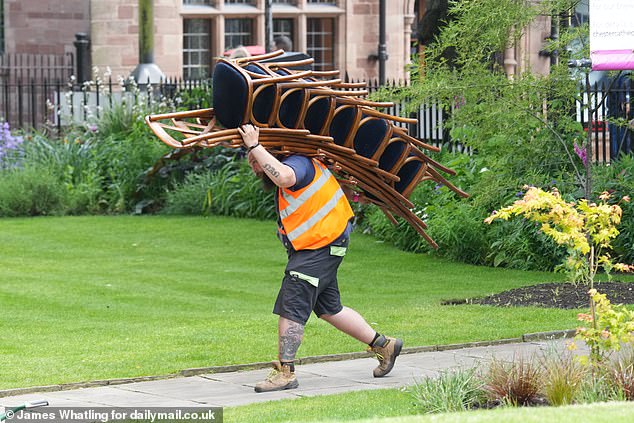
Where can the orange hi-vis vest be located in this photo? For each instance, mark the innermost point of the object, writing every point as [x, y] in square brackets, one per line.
[315, 215]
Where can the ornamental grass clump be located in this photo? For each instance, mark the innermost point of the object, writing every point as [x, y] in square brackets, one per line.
[456, 390]
[563, 378]
[621, 372]
[514, 383]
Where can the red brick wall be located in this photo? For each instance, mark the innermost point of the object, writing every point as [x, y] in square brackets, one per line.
[44, 26]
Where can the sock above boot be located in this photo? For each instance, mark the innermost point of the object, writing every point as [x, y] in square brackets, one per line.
[379, 341]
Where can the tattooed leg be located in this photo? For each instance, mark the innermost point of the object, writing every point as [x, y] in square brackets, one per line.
[290, 337]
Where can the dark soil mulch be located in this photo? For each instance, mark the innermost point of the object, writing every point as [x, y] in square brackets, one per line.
[554, 295]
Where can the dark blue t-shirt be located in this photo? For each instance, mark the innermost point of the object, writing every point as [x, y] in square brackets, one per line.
[303, 168]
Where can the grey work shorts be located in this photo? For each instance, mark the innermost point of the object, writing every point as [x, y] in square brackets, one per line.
[310, 283]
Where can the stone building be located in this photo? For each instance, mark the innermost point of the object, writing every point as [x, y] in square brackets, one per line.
[189, 34]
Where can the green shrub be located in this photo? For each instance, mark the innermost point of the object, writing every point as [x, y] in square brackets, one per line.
[521, 245]
[457, 228]
[618, 179]
[31, 191]
[192, 196]
[231, 190]
[101, 174]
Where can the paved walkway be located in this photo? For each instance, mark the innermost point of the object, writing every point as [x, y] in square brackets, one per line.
[231, 389]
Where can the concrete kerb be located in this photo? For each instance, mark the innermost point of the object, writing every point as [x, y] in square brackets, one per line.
[526, 338]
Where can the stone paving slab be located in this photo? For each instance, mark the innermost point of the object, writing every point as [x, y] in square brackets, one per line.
[236, 388]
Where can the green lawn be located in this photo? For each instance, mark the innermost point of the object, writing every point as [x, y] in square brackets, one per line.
[85, 298]
[397, 406]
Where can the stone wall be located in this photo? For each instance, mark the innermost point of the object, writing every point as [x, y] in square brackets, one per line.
[115, 35]
[362, 38]
[44, 27]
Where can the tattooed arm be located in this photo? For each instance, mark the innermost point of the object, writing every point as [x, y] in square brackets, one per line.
[283, 176]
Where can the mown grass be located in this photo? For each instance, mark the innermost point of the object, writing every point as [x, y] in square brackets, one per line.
[379, 403]
[85, 298]
[398, 406]
[620, 412]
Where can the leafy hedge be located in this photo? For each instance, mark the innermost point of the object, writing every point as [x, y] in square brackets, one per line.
[457, 224]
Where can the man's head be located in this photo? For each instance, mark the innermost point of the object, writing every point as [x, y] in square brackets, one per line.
[283, 42]
[267, 183]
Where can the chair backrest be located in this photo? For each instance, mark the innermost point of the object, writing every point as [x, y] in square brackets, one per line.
[411, 172]
[371, 137]
[232, 92]
[318, 114]
[292, 104]
[343, 123]
[394, 154]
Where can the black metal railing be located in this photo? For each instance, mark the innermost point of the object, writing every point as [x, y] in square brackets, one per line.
[605, 109]
[54, 103]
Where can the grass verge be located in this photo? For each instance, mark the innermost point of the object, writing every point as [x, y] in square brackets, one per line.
[397, 406]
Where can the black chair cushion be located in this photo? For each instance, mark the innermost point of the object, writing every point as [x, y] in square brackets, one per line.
[391, 155]
[317, 114]
[408, 173]
[341, 124]
[255, 69]
[290, 109]
[230, 95]
[369, 136]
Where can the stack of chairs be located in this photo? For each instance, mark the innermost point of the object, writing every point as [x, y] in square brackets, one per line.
[314, 114]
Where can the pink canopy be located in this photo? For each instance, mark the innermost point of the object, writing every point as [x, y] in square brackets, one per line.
[612, 59]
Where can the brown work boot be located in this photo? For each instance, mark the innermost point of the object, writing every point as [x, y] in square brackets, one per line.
[280, 378]
[386, 350]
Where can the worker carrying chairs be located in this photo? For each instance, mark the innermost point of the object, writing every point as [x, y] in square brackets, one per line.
[314, 114]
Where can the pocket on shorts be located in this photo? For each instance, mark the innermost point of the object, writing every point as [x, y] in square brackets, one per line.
[306, 278]
[338, 251]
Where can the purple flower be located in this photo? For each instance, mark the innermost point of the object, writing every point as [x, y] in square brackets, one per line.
[8, 141]
[580, 150]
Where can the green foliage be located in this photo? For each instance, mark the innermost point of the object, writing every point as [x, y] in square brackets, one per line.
[192, 98]
[598, 387]
[610, 326]
[618, 179]
[457, 390]
[521, 245]
[31, 191]
[519, 132]
[231, 190]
